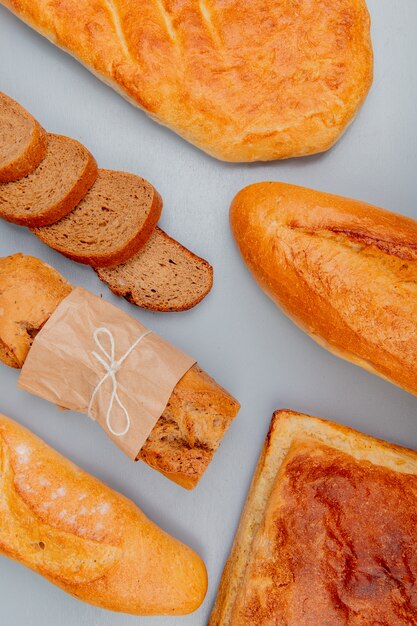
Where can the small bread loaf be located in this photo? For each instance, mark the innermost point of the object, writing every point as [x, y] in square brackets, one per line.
[343, 270]
[110, 224]
[199, 412]
[328, 533]
[87, 539]
[245, 80]
[23, 141]
[54, 188]
[162, 276]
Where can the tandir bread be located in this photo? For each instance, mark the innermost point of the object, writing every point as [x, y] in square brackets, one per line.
[343, 270]
[244, 81]
[328, 533]
[84, 537]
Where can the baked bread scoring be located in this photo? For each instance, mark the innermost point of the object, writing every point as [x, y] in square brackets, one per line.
[244, 81]
[343, 270]
[328, 535]
[86, 538]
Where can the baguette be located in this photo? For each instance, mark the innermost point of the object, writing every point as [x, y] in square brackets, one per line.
[343, 270]
[87, 539]
[244, 81]
[327, 535]
[199, 412]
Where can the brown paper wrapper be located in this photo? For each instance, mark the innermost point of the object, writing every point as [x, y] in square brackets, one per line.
[91, 355]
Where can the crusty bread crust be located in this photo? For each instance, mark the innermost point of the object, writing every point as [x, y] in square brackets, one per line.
[87, 539]
[288, 427]
[32, 152]
[343, 270]
[244, 82]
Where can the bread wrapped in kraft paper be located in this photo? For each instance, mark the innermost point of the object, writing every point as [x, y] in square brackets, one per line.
[86, 355]
[93, 358]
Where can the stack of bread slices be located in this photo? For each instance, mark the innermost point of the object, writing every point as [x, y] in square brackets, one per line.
[103, 218]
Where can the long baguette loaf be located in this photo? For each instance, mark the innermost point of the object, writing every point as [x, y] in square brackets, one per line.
[199, 411]
[343, 270]
[245, 81]
[84, 537]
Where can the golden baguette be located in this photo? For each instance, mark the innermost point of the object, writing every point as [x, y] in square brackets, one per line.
[87, 539]
[243, 80]
[327, 535]
[199, 411]
[343, 270]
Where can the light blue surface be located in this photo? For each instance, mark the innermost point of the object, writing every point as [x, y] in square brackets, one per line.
[236, 333]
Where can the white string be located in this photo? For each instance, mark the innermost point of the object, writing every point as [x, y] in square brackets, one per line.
[111, 367]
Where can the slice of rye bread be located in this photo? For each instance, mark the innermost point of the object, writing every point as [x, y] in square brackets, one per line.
[53, 189]
[23, 141]
[112, 222]
[163, 276]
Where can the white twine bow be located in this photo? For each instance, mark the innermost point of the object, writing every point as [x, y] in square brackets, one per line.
[112, 367]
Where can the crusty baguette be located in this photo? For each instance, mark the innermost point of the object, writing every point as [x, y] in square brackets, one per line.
[343, 270]
[55, 186]
[162, 276]
[111, 222]
[84, 537]
[186, 436]
[244, 81]
[327, 531]
[23, 141]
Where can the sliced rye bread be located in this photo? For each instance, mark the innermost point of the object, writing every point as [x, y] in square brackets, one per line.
[53, 189]
[163, 276]
[112, 222]
[23, 141]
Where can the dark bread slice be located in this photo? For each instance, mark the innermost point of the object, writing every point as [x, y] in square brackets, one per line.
[53, 189]
[112, 222]
[163, 276]
[23, 141]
